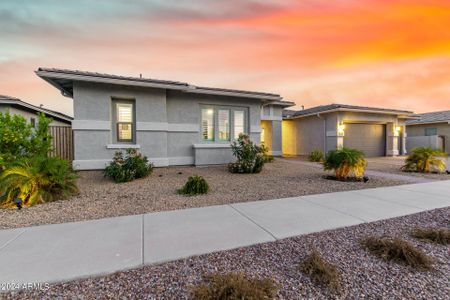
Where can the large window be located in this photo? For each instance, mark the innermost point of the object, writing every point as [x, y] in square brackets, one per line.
[239, 123]
[208, 124]
[124, 121]
[222, 123]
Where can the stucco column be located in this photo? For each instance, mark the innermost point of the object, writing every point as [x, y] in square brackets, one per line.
[335, 137]
[392, 138]
[404, 135]
[276, 138]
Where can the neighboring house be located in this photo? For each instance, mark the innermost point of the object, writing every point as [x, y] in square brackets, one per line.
[173, 123]
[29, 112]
[375, 131]
[430, 130]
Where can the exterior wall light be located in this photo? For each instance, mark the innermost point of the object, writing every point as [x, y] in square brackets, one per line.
[398, 129]
[340, 128]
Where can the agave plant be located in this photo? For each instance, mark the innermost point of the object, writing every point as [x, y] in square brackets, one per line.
[37, 180]
[344, 162]
[424, 160]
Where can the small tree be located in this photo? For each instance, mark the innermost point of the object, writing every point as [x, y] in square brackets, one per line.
[345, 162]
[250, 157]
[424, 159]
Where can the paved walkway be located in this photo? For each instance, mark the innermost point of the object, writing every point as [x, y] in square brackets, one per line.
[60, 252]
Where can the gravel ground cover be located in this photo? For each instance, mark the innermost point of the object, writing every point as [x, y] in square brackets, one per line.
[101, 198]
[364, 276]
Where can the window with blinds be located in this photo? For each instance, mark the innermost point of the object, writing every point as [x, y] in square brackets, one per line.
[124, 122]
[224, 125]
[239, 123]
[208, 124]
[221, 124]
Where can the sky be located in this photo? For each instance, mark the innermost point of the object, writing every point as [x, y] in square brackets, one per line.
[382, 53]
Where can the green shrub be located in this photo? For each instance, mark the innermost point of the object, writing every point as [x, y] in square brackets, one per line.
[267, 157]
[234, 286]
[36, 180]
[316, 156]
[321, 271]
[133, 166]
[194, 186]
[434, 235]
[345, 162]
[18, 139]
[250, 157]
[424, 159]
[397, 250]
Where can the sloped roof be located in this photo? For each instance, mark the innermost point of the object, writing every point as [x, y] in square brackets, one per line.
[431, 117]
[63, 80]
[30, 107]
[344, 107]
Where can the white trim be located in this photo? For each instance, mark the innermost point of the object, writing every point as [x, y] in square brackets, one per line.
[215, 145]
[123, 146]
[183, 127]
[255, 129]
[181, 161]
[271, 118]
[91, 125]
[151, 126]
[90, 164]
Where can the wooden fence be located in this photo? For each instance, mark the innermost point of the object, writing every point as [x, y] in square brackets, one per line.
[62, 142]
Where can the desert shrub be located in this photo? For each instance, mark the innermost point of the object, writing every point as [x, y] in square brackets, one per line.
[434, 235]
[250, 157]
[133, 166]
[267, 157]
[424, 160]
[321, 271]
[234, 286]
[345, 162]
[316, 156]
[398, 250]
[36, 180]
[194, 186]
[18, 138]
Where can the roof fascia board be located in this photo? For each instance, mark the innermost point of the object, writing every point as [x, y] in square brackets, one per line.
[233, 94]
[426, 123]
[77, 77]
[34, 108]
[372, 111]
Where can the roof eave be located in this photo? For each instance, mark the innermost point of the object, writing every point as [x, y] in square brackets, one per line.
[404, 114]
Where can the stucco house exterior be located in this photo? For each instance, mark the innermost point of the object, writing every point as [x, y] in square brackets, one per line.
[171, 122]
[375, 131]
[15, 106]
[429, 130]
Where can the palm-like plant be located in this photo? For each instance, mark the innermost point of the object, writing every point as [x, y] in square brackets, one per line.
[344, 162]
[424, 159]
[37, 180]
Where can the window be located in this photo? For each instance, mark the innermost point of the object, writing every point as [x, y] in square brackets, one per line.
[208, 124]
[430, 131]
[33, 122]
[239, 122]
[222, 123]
[124, 118]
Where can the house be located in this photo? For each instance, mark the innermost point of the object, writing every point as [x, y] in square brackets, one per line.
[29, 112]
[430, 130]
[375, 131]
[171, 122]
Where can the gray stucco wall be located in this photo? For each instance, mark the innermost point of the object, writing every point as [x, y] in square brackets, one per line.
[167, 125]
[443, 129]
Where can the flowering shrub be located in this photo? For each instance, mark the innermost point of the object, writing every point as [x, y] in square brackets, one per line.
[250, 157]
[123, 169]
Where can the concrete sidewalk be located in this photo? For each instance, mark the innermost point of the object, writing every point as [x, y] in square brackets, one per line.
[61, 252]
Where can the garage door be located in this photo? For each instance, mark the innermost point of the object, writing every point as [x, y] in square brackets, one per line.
[369, 138]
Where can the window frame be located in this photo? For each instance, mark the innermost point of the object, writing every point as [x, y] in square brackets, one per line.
[231, 110]
[115, 123]
[434, 129]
